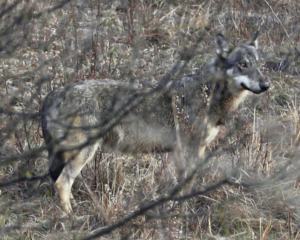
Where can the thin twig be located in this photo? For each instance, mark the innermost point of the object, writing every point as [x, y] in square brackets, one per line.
[22, 179]
[277, 19]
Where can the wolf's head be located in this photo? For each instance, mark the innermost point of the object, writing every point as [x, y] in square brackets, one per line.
[240, 64]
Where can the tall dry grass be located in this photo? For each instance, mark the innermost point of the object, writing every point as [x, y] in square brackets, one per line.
[246, 188]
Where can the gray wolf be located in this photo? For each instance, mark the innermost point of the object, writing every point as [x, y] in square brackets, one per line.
[75, 115]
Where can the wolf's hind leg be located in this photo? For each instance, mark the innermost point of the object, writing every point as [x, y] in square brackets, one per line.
[76, 160]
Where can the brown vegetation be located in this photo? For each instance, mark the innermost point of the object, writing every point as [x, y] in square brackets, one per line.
[246, 188]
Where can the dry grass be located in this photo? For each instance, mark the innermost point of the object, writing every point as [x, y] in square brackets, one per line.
[42, 48]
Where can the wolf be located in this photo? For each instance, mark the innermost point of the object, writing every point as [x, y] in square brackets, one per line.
[80, 118]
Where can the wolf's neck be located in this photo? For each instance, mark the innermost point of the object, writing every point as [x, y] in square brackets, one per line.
[223, 102]
[237, 99]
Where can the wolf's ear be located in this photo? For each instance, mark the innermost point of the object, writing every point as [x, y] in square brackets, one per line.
[222, 46]
[253, 40]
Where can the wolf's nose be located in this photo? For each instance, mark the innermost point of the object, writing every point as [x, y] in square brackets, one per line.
[264, 86]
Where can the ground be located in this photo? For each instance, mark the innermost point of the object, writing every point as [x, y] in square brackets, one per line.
[246, 188]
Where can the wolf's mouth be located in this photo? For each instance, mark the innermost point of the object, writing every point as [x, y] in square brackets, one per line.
[245, 87]
[251, 90]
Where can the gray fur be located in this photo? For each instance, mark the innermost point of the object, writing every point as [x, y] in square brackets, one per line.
[76, 114]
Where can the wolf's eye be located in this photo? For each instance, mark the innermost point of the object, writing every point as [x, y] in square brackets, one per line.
[243, 64]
